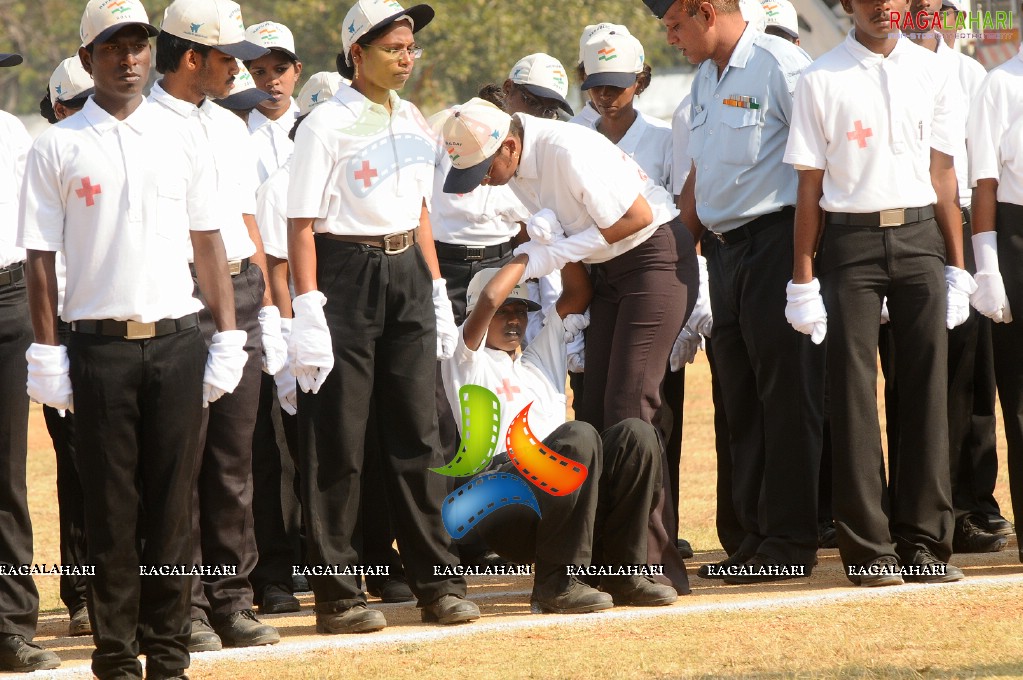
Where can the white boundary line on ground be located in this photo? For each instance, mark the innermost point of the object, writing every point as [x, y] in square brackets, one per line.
[209, 660]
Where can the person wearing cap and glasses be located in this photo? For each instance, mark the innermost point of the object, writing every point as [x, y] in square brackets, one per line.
[617, 220]
[993, 138]
[19, 599]
[771, 378]
[277, 73]
[875, 124]
[361, 254]
[197, 50]
[135, 361]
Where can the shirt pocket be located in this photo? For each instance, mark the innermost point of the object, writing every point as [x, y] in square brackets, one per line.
[171, 215]
[697, 131]
[740, 136]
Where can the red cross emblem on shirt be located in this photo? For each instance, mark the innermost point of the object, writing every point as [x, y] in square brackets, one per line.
[366, 174]
[88, 191]
[508, 389]
[860, 134]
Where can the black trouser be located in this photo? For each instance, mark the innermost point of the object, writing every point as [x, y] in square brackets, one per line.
[858, 267]
[772, 388]
[19, 599]
[1007, 339]
[222, 532]
[380, 312]
[138, 407]
[604, 520]
[377, 528]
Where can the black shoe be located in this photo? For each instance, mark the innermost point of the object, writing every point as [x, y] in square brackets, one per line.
[995, 524]
[203, 638]
[684, 549]
[243, 629]
[881, 571]
[300, 584]
[718, 570]
[355, 619]
[391, 590]
[277, 600]
[969, 537]
[18, 654]
[924, 567]
[487, 558]
[765, 569]
[450, 609]
[827, 535]
[563, 594]
[637, 591]
[80, 624]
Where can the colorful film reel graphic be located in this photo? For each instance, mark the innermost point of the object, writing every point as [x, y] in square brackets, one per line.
[481, 429]
[464, 507]
[550, 471]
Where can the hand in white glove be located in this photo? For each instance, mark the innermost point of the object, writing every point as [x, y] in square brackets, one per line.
[989, 299]
[310, 352]
[701, 321]
[884, 310]
[544, 227]
[544, 259]
[287, 386]
[275, 349]
[447, 331]
[49, 380]
[805, 309]
[684, 349]
[960, 286]
[224, 365]
[541, 260]
[576, 350]
[575, 324]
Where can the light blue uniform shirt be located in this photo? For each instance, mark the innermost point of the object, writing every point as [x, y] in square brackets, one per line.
[737, 148]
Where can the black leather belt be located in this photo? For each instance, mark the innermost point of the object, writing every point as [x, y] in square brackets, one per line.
[391, 244]
[886, 218]
[12, 274]
[134, 330]
[235, 267]
[739, 234]
[454, 251]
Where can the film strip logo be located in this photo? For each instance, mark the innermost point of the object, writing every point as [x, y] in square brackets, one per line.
[488, 492]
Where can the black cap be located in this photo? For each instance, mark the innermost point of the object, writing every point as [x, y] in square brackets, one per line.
[659, 7]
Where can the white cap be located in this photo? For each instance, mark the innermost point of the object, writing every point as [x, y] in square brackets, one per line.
[480, 281]
[69, 80]
[544, 76]
[753, 12]
[782, 13]
[244, 95]
[215, 23]
[103, 18]
[612, 59]
[318, 89]
[368, 15]
[472, 135]
[272, 36]
[597, 29]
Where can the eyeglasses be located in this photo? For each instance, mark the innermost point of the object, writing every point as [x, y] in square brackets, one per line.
[535, 105]
[412, 52]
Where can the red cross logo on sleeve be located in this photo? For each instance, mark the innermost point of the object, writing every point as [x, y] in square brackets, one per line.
[507, 389]
[366, 174]
[860, 134]
[88, 191]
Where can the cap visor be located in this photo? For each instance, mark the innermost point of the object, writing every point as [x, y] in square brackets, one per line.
[464, 180]
[106, 33]
[781, 32]
[244, 100]
[286, 52]
[622, 80]
[421, 15]
[531, 305]
[244, 50]
[548, 93]
[78, 99]
[10, 59]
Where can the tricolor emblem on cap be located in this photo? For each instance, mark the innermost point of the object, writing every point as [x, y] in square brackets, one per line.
[103, 18]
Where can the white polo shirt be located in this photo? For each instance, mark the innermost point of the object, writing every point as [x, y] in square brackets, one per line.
[993, 133]
[270, 139]
[119, 198]
[586, 180]
[681, 161]
[536, 375]
[870, 122]
[587, 114]
[14, 145]
[968, 75]
[233, 161]
[271, 212]
[486, 216]
[361, 171]
[648, 142]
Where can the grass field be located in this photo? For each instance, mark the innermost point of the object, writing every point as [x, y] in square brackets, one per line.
[813, 627]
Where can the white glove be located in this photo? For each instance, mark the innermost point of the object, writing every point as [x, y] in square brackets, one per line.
[989, 298]
[701, 321]
[447, 331]
[275, 349]
[684, 349]
[49, 380]
[805, 309]
[310, 352]
[287, 386]
[576, 350]
[224, 365]
[960, 286]
[575, 324]
[544, 259]
[544, 227]
[884, 310]
[541, 260]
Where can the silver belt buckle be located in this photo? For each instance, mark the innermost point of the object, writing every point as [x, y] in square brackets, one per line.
[140, 331]
[397, 242]
[234, 267]
[895, 217]
[475, 253]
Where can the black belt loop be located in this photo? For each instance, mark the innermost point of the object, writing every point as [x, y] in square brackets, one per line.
[12, 274]
[897, 217]
[134, 330]
[463, 253]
